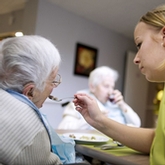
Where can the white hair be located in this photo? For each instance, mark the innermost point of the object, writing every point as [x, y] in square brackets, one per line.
[97, 75]
[25, 59]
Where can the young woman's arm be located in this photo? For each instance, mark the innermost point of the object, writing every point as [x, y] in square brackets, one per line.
[137, 138]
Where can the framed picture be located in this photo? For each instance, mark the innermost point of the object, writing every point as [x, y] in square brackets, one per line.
[85, 60]
[6, 35]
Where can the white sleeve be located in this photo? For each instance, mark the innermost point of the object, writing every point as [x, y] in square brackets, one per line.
[72, 119]
[131, 117]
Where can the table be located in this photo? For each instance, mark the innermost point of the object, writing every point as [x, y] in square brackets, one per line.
[115, 156]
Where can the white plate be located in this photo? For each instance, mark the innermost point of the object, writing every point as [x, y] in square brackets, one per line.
[86, 137]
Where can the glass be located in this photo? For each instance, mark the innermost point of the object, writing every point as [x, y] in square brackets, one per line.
[111, 98]
[57, 80]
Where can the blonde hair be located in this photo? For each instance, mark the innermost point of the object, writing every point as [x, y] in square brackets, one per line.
[155, 17]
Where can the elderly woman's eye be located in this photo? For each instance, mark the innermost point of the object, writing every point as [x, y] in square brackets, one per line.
[106, 86]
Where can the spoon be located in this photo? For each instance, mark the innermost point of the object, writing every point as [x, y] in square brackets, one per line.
[58, 100]
[109, 146]
[114, 144]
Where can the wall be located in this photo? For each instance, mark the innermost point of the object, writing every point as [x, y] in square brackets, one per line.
[65, 29]
[135, 87]
[11, 22]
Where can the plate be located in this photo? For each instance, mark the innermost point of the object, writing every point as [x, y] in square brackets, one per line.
[86, 137]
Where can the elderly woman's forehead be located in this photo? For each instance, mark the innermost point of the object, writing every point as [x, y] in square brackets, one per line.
[108, 77]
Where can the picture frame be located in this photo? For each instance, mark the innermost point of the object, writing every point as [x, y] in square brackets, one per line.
[6, 35]
[85, 59]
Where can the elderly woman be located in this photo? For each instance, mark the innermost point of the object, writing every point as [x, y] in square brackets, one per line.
[28, 73]
[101, 87]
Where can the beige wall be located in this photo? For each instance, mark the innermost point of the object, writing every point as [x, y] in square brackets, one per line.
[11, 22]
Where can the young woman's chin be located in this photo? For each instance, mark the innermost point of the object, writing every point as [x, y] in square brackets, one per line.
[155, 79]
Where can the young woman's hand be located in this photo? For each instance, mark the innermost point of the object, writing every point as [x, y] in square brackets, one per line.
[88, 108]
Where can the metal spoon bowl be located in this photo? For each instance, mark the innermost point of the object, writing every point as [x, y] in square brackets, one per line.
[59, 100]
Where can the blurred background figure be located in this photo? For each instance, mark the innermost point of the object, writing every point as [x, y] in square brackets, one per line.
[101, 87]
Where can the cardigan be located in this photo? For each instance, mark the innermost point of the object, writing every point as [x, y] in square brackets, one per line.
[23, 137]
[157, 152]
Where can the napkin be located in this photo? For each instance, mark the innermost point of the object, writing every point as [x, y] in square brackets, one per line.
[62, 146]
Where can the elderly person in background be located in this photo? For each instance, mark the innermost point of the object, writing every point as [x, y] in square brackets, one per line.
[101, 87]
[28, 74]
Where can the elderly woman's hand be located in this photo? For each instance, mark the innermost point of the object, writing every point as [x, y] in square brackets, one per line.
[118, 99]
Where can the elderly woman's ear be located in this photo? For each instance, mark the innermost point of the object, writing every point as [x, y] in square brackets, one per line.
[92, 88]
[28, 90]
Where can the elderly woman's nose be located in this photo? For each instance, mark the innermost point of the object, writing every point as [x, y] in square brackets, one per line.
[110, 92]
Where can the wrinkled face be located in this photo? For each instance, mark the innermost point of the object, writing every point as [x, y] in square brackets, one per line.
[150, 57]
[103, 90]
[39, 97]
